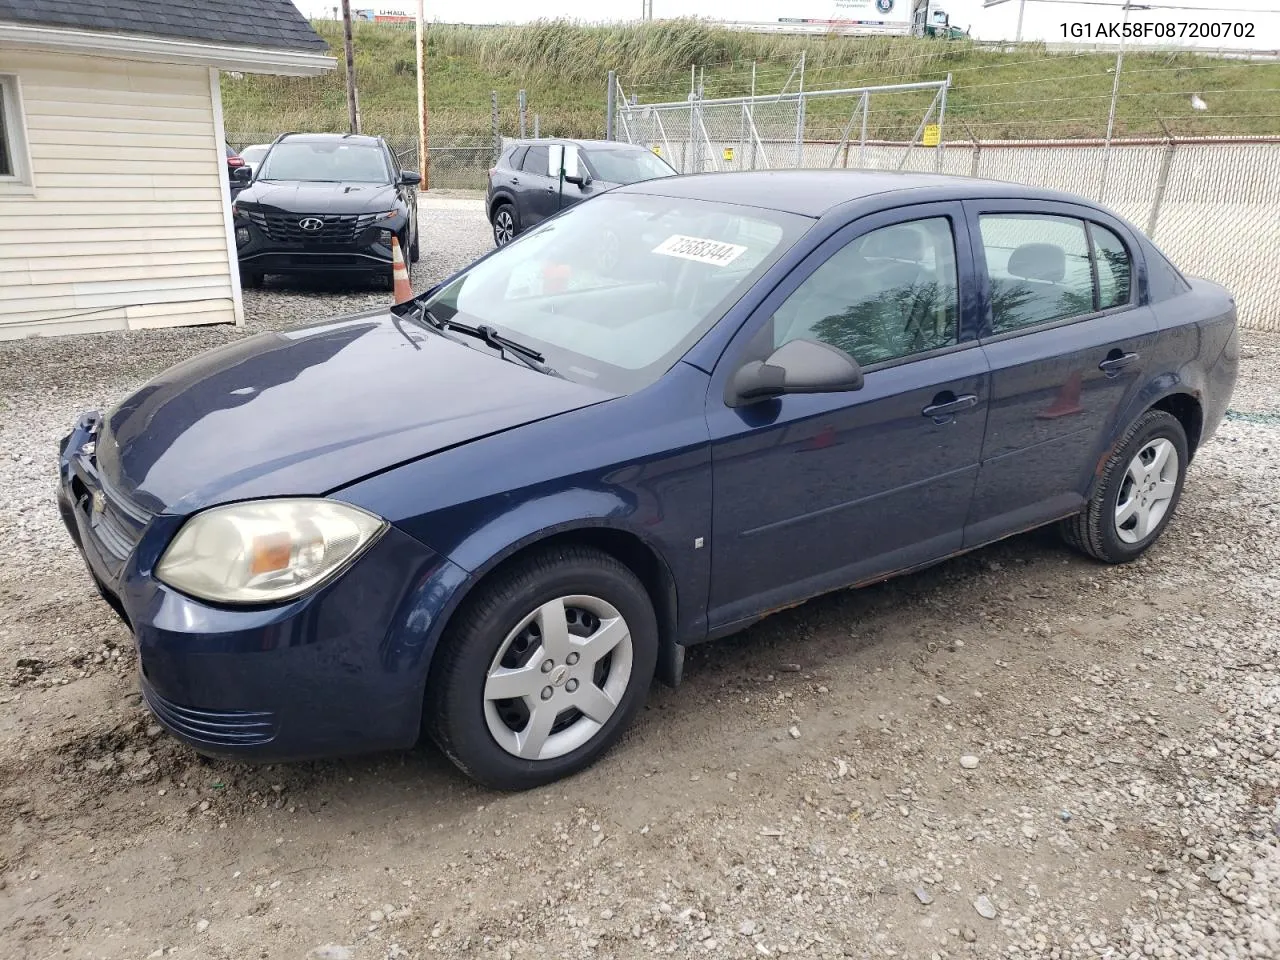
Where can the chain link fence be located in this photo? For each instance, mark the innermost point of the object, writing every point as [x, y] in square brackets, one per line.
[458, 162]
[814, 129]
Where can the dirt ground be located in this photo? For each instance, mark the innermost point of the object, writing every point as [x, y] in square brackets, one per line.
[802, 794]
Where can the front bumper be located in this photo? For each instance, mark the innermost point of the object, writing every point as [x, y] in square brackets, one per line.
[340, 671]
[366, 251]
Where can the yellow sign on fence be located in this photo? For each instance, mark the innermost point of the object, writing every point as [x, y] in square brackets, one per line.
[932, 135]
[728, 154]
[657, 149]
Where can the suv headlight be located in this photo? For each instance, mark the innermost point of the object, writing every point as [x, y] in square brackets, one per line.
[266, 551]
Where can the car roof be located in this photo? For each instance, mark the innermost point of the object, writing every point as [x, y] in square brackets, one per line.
[812, 193]
[583, 144]
[329, 137]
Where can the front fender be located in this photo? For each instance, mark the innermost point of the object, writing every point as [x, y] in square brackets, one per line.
[636, 466]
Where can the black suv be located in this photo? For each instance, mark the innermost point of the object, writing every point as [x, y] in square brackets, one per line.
[325, 202]
[523, 193]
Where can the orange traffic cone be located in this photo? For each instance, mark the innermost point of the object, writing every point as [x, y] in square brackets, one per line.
[402, 289]
[1067, 401]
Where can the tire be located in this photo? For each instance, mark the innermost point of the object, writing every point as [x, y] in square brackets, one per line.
[506, 223]
[496, 643]
[251, 278]
[414, 253]
[1134, 499]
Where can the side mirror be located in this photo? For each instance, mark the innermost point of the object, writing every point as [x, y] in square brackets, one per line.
[798, 366]
[242, 174]
[581, 178]
[409, 178]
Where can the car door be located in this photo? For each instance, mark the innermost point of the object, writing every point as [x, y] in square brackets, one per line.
[813, 492]
[1067, 339]
[538, 197]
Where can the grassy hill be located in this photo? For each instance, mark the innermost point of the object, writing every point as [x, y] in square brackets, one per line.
[1024, 93]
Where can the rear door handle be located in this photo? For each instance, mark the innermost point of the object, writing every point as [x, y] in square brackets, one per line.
[943, 411]
[1117, 361]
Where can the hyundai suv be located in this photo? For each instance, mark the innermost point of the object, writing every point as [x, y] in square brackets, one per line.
[326, 203]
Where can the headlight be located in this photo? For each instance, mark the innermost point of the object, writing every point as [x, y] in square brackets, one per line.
[385, 216]
[265, 551]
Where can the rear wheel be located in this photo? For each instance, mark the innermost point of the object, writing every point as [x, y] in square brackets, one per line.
[251, 278]
[542, 671]
[505, 224]
[1137, 494]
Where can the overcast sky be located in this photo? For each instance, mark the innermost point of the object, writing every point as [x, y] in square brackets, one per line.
[1042, 19]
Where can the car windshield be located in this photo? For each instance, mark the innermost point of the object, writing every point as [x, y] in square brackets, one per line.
[615, 291]
[253, 154]
[326, 160]
[628, 166]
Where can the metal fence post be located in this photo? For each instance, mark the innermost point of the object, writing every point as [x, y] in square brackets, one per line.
[862, 140]
[493, 124]
[1111, 116]
[942, 116]
[536, 133]
[1157, 201]
[611, 102]
[522, 101]
[800, 114]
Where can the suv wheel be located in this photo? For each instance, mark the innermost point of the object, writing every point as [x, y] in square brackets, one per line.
[1134, 499]
[544, 669]
[505, 224]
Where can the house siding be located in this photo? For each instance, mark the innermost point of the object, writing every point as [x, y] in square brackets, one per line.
[125, 229]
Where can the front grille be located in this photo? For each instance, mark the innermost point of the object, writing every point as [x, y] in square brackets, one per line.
[337, 229]
[222, 728]
[119, 524]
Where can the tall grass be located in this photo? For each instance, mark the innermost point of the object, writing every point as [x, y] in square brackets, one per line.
[1028, 92]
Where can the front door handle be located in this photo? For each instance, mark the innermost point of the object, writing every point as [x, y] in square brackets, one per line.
[1117, 361]
[946, 405]
[515, 181]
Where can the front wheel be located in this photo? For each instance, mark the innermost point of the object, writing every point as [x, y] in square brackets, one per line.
[543, 670]
[1135, 498]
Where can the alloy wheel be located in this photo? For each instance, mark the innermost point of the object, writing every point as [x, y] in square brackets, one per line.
[558, 677]
[504, 227]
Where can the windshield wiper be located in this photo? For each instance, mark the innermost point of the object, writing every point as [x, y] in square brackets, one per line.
[505, 345]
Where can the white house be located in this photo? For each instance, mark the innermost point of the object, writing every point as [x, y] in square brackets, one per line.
[114, 207]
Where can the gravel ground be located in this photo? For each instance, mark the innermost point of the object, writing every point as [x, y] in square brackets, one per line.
[1017, 753]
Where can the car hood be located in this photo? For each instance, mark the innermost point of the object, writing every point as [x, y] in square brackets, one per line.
[346, 197]
[305, 411]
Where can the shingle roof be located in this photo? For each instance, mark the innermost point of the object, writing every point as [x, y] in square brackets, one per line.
[244, 23]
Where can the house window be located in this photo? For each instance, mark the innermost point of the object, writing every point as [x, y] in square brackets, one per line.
[15, 168]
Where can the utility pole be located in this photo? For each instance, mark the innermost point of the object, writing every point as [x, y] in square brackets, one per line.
[424, 155]
[353, 106]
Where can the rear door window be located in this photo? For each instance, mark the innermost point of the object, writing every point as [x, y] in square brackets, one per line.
[536, 160]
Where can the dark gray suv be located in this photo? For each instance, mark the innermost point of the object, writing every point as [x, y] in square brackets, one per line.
[523, 193]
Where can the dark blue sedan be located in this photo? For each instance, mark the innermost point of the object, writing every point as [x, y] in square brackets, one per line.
[495, 512]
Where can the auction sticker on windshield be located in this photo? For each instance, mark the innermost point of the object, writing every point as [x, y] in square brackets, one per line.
[713, 252]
